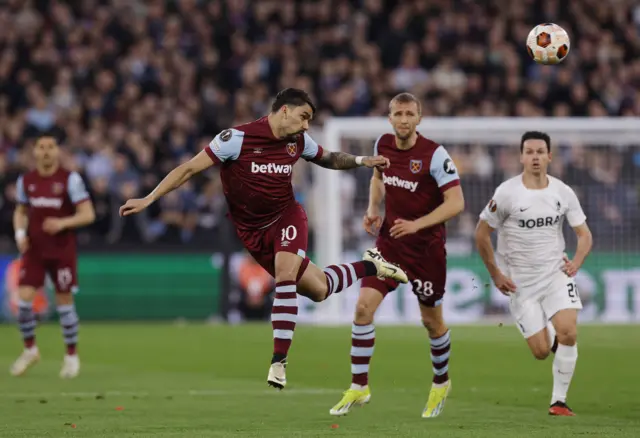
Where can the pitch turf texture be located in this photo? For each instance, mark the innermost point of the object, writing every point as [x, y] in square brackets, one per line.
[209, 381]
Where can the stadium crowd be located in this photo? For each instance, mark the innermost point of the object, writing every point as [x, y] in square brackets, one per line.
[134, 87]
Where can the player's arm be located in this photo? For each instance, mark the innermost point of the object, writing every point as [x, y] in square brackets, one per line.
[344, 161]
[578, 221]
[444, 172]
[225, 146]
[21, 216]
[492, 217]
[180, 175]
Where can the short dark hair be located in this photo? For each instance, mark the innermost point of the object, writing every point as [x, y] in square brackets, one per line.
[406, 98]
[535, 135]
[292, 97]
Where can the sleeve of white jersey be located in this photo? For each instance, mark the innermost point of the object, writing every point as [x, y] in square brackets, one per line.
[312, 150]
[443, 170]
[76, 189]
[575, 215]
[21, 194]
[497, 210]
[225, 146]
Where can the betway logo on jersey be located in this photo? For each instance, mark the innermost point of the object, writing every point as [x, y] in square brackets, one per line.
[43, 202]
[285, 169]
[398, 182]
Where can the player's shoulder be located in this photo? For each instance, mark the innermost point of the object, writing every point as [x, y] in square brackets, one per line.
[427, 145]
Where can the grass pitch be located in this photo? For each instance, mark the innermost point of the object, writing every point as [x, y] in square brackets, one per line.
[210, 381]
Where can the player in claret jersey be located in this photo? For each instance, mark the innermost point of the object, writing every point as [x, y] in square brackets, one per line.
[51, 203]
[256, 161]
[422, 191]
[530, 266]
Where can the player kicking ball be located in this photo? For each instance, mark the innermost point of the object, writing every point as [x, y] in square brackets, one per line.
[421, 191]
[530, 266]
[256, 163]
[51, 203]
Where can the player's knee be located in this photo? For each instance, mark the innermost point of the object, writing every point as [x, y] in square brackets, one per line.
[567, 336]
[26, 293]
[364, 313]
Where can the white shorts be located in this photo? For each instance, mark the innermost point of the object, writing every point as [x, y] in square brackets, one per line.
[533, 309]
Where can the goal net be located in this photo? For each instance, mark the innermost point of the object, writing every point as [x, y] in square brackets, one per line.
[598, 157]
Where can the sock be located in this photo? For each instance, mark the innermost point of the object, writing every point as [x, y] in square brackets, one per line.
[363, 338]
[553, 339]
[564, 365]
[284, 314]
[440, 349]
[69, 322]
[27, 323]
[340, 277]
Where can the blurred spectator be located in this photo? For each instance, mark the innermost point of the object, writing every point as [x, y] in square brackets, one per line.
[133, 87]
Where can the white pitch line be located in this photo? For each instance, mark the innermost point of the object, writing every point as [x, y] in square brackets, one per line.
[192, 393]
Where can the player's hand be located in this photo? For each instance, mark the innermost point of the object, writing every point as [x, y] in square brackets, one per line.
[570, 267]
[379, 162]
[504, 284]
[133, 206]
[372, 223]
[22, 244]
[403, 227]
[52, 225]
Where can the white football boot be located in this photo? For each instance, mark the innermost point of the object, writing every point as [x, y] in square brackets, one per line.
[28, 358]
[385, 269]
[70, 366]
[277, 375]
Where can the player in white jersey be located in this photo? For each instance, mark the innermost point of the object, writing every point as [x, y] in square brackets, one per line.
[530, 265]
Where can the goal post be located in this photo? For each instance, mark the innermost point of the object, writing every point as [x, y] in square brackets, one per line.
[500, 135]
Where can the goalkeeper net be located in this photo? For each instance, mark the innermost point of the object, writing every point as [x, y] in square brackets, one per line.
[598, 157]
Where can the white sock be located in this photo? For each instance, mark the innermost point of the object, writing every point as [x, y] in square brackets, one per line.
[564, 365]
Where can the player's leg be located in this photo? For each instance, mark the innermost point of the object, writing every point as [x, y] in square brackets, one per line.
[562, 305]
[32, 274]
[319, 284]
[65, 278]
[440, 343]
[363, 338]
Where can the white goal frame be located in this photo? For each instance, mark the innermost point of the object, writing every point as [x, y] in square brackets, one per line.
[585, 131]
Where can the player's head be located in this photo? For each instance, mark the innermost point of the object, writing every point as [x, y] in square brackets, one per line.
[46, 151]
[535, 152]
[405, 112]
[294, 109]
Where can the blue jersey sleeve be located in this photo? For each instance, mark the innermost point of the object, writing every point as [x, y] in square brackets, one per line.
[21, 194]
[311, 149]
[76, 189]
[442, 169]
[226, 145]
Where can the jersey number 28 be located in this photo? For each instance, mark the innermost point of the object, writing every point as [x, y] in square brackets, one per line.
[422, 288]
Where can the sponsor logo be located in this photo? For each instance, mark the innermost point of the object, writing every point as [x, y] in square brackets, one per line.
[394, 181]
[415, 166]
[285, 169]
[43, 202]
[226, 135]
[539, 222]
[449, 167]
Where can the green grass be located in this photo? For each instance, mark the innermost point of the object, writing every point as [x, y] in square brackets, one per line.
[209, 381]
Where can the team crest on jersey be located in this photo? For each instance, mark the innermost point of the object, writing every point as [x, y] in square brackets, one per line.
[492, 206]
[415, 166]
[57, 188]
[292, 149]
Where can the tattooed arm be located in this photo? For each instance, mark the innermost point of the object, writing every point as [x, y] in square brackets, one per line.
[342, 161]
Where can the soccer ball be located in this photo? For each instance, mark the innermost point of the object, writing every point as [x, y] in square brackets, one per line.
[548, 43]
